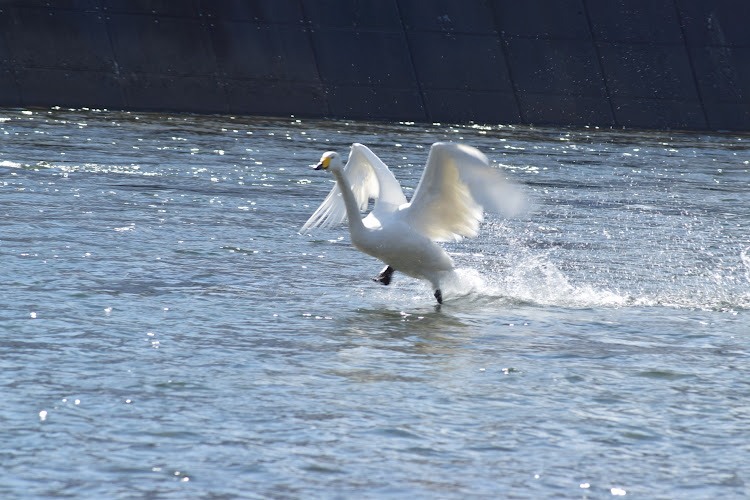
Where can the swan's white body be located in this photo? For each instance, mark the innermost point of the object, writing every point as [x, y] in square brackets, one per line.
[456, 185]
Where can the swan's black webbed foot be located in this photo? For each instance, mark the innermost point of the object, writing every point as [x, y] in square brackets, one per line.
[439, 296]
[385, 276]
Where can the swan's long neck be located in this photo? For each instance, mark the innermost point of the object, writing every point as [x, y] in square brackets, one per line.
[352, 208]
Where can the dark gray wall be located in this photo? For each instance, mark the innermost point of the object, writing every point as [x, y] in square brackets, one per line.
[635, 63]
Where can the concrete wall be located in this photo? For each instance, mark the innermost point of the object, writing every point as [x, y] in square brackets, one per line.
[633, 63]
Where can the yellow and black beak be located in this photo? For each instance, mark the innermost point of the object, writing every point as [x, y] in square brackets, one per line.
[323, 164]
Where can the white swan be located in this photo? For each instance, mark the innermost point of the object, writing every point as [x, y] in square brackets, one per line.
[456, 186]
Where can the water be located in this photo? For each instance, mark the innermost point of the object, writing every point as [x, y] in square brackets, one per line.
[166, 333]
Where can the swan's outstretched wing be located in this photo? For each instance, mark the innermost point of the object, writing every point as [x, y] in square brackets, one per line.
[331, 212]
[457, 185]
[385, 189]
[369, 178]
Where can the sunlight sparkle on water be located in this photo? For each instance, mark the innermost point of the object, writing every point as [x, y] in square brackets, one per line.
[170, 330]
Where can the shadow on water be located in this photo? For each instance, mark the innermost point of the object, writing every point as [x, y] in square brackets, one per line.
[428, 322]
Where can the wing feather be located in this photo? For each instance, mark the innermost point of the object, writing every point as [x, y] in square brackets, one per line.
[456, 187]
[369, 178]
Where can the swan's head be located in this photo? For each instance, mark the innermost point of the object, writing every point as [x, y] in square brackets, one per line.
[330, 161]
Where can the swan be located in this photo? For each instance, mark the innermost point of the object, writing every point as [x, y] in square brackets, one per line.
[456, 187]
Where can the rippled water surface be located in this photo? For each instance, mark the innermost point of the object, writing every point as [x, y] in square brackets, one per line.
[165, 332]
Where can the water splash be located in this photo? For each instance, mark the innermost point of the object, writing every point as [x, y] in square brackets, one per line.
[534, 280]
[10, 164]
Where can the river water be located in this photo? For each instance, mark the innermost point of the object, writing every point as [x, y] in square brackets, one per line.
[166, 333]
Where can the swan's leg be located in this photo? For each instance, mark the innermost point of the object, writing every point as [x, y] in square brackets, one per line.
[439, 296]
[385, 275]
